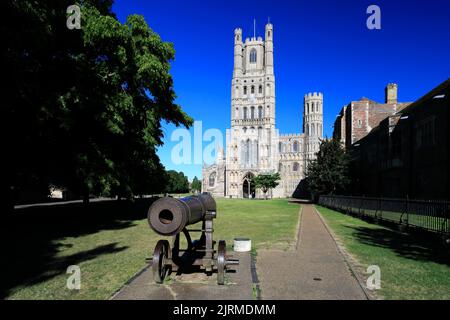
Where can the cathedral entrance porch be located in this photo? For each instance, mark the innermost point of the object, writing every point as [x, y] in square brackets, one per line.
[248, 188]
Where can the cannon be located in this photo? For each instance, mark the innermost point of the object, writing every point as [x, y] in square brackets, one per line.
[170, 217]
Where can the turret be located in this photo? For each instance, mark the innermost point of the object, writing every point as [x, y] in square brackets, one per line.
[313, 114]
[269, 49]
[237, 71]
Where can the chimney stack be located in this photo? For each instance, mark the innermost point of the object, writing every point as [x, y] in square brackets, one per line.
[391, 93]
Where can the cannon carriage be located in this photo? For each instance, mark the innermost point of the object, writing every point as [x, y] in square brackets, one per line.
[170, 217]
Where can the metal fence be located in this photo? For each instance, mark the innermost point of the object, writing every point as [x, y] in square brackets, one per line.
[428, 215]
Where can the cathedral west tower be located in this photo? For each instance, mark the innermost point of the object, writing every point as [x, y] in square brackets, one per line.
[253, 144]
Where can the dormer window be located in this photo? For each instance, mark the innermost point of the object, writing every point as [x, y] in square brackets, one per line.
[253, 56]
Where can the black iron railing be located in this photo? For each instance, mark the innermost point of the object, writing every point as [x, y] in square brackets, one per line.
[430, 215]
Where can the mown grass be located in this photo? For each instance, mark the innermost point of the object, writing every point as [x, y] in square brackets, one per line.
[411, 267]
[110, 241]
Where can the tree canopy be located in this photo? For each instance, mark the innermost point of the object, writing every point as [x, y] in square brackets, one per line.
[177, 182]
[83, 108]
[265, 182]
[329, 173]
[196, 185]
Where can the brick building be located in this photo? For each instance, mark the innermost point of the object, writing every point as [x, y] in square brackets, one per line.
[407, 154]
[358, 118]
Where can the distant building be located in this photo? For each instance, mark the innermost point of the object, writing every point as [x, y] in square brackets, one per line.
[407, 154]
[253, 143]
[358, 118]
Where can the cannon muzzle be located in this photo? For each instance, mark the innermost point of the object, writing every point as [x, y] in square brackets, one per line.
[168, 216]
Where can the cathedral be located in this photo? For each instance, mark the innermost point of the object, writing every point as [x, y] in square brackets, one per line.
[253, 144]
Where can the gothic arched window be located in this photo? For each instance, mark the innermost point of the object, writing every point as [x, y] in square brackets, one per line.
[252, 90]
[245, 89]
[212, 179]
[260, 112]
[252, 113]
[295, 166]
[253, 56]
[280, 147]
[260, 89]
[295, 146]
[247, 152]
[245, 113]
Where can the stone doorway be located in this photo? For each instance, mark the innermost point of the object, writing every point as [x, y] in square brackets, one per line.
[248, 188]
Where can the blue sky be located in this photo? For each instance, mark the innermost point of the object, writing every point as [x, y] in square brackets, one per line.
[318, 46]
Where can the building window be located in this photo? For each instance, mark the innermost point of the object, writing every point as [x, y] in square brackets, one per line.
[253, 56]
[359, 123]
[245, 90]
[245, 113]
[253, 90]
[295, 146]
[252, 113]
[247, 152]
[280, 167]
[295, 166]
[280, 147]
[260, 112]
[212, 179]
[260, 89]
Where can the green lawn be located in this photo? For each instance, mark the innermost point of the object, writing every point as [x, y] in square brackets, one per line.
[411, 268]
[110, 241]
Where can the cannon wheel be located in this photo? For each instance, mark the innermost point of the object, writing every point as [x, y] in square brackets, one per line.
[159, 265]
[221, 262]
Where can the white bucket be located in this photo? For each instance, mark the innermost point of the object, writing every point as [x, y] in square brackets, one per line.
[242, 244]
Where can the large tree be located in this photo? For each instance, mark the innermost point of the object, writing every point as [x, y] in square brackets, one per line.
[328, 173]
[265, 182]
[196, 185]
[83, 108]
[177, 182]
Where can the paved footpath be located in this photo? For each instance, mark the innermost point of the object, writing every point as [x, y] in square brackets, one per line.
[194, 286]
[314, 270]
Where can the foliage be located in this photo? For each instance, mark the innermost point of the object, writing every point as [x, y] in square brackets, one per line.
[265, 182]
[177, 182]
[328, 174]
[84, 107]
[196, 185]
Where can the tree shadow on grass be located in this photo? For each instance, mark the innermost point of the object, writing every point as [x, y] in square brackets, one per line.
[30, 238]
[415, 246]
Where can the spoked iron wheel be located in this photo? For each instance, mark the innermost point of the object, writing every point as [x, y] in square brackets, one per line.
[159, 261]
[221, 262]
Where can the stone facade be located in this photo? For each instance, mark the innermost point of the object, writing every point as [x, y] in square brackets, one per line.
[253, 144]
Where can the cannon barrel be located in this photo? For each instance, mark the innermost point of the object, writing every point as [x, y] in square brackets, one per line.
[168, 216]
